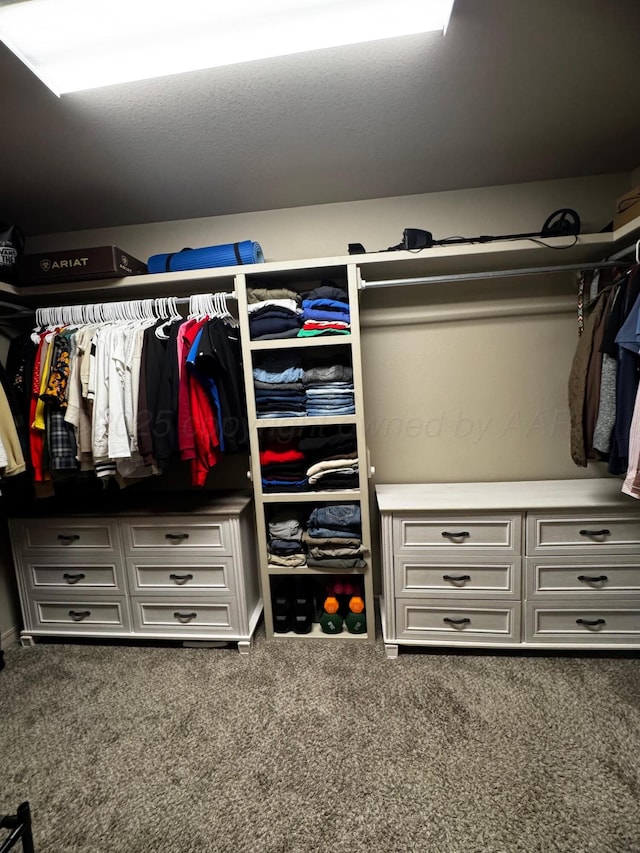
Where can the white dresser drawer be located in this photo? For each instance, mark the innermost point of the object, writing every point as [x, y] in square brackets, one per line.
[588, 576]
[583, 623]
[176, 533]
[450, 621]
[583, 533]
[412, 533]
[184, 618]
[38, 534]
[216, 576]
[82, 615]
[48, 574]
[450, 576]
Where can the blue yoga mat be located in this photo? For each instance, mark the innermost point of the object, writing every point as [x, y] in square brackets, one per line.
[226, 255]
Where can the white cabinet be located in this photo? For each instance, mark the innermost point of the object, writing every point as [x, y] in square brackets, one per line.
[153, 575]
[517, 565]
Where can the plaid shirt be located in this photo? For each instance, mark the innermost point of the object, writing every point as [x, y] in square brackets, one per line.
[61, 442]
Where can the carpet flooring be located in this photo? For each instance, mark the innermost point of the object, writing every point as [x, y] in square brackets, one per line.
[320, 746]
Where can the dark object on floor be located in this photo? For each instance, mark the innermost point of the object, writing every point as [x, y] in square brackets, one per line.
[20, 826]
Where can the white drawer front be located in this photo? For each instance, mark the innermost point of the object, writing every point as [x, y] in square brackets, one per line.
[214, 576]
[57, 577]
[184, 618]
[80, 615]
[450, 621]
[584, 533]
[605, 622]
[177, 533]
[448, 576]
[588, 576]
[64, 535]
[412, 533]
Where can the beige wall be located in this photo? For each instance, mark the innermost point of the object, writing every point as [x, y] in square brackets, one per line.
[474, 391]
[326, 230]
[462, 381]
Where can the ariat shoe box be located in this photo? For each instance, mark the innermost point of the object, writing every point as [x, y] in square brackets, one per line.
[77, 265]
[627, 208]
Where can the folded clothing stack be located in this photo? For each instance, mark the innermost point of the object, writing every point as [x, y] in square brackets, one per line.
[332, 443]
[325, 311]
[329, 389]
[333, 537]
[335, 473]
[332, 460]
[285, 546]
[283, 469]
[273, 313]
[279, 392]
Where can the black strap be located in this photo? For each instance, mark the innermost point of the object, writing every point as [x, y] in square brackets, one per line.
[167, 262]
[236, 249]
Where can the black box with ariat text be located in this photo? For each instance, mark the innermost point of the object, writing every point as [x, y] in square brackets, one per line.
[77, 265]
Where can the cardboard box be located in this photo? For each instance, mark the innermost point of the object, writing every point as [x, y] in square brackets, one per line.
[77, 265]
[627, 208]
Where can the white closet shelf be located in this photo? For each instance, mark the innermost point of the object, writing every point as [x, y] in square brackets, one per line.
[439, 260]
[292, 343]
[307, 420]
[310, 570]
[317, 633]
[346, 495]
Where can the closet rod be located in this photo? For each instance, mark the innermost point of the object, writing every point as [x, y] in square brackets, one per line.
[475, 276]
[180, 300]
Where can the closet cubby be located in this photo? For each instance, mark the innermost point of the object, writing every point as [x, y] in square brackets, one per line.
[312, 381]
[329, 606]
[309, 459]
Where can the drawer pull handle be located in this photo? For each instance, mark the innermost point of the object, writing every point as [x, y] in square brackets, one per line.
[603, 532]
[588, 579]
[184, 617]
[465, 621]
[180, 579]
[67, 538]
[456, 578]
[464, 534]
[176, 537]
[79, 615]
[591, 623]
[73, 577]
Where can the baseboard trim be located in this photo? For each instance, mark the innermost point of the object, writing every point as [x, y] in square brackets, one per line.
[8, 638]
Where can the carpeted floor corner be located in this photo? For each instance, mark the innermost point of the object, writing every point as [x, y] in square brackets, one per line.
[320, 746]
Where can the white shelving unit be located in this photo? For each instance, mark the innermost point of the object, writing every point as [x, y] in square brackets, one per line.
[515, 256]
[307, 275]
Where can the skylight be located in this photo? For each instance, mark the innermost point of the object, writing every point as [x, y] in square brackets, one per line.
[72, 45]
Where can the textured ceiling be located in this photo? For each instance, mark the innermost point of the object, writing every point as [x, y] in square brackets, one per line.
[518, 90]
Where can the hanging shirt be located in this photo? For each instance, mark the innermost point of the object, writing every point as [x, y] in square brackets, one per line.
[186, 430]
[165, 423]
[36, 432]
[219, 358]
[14, 460]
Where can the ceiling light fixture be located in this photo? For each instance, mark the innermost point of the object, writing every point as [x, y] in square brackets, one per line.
[73, 45]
